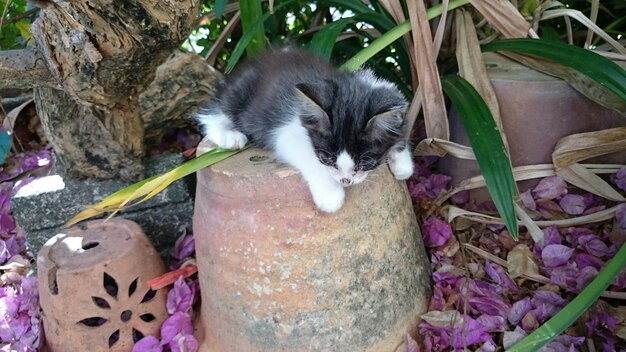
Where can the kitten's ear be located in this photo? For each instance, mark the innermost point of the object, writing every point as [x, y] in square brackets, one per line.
[389, 123]
[311, 114]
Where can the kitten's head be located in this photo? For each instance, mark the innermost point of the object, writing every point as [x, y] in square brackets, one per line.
[353, 120]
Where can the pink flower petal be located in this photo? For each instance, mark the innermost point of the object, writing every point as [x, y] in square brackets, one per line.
[573, 204]
[148, 344]
[550, 188]
[180, 297]
[556, 254]
[436, 232]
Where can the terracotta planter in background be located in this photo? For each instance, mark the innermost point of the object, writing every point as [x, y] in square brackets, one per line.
[278, 275]
[536, 110]
[93, 287]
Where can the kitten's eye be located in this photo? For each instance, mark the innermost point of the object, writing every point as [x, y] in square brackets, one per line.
[325, 159]
[367, 165]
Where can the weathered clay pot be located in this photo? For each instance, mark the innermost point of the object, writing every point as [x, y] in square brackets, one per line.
[276, 274]
[93, 287]
[536, 110]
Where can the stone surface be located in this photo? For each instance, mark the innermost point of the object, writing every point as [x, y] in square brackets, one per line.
[93, 287]
[536, 110]
[163, 217]
[276, 274]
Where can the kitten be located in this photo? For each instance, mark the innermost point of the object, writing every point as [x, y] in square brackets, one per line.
[332, 126]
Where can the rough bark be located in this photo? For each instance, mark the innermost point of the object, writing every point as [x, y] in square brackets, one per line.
[103, 54]
[181, 84]
[30, 66]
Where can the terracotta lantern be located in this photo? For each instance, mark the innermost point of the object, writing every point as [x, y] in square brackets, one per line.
[276, 274]
[93, 287]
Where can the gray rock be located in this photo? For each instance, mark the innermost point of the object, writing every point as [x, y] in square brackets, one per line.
[43, 207]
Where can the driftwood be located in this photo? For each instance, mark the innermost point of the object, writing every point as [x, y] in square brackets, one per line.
[92, 61]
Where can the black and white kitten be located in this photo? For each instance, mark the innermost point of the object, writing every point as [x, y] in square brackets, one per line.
[332, 126]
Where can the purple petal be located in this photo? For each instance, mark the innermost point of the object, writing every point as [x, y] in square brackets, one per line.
[584, 260]
[184, 247]
[555, 254]
[585, 276]
[518, 310]
[184, 343]
[529, 321]
[528, 201]
[148, 344]
[410, 344]
[470, 333]
[565, 276]
[510, 338]
[435, 184]
[620, 281]
[497, 274]
[573, 204]
[436, 232]
[492, 323]
[460, 198]
[620, 179]
[178, 323]
[597, 248]
[180, 297]
[550, 188]
[551, 235]
[620, 216]
[490, 305]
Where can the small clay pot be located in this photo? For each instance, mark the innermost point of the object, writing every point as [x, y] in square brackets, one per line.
[276, 274]
[93, 287]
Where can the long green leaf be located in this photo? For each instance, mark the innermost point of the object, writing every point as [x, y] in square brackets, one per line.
[324, 40]
[394, 34]
[220, 6]
[248, 36]
[488, 146]
[568, 315]
[250, 12]
[598, 68]
[143, 190]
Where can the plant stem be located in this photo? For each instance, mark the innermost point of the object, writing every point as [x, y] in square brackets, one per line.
[394, 34]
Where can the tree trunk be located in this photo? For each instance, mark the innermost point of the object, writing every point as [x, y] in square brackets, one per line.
[101, 54]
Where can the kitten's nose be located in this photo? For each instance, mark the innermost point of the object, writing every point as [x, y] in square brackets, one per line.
[345, 182]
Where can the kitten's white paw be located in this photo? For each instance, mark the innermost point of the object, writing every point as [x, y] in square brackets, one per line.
[401, 164]
[328, 199]
[229, 139]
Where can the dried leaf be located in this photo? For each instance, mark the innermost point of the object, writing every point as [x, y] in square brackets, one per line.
[503, 16]
[520, 262]
[581, 146]
[472, 67]
[436, 146]
[580, 17]
[430, 89]
[532, 228]
[221, 40]
[582, 178]
[447, 318]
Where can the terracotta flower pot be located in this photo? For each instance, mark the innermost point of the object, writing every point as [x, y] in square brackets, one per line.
[276, 274]
[93, 287]
[536, 110]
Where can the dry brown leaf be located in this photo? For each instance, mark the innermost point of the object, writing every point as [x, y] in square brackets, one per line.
[583, 178]
[430, 90]
[451, 213]
[520, 262]
[9, 121]
[577, 80]
[472, 66]
[580, 17]
[595, 6]
[503, 16]
[221, 40]
[435, 146]
[446, 318]
[581, 146]
[535, 232]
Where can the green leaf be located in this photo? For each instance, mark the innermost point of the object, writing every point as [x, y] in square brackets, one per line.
[220, 6]
[600, 69]
[324, 40]
[488, 146]
[394, 34]
[250, 12]
[5, 145]
[568, 315]
[143, 190]
[248, 35]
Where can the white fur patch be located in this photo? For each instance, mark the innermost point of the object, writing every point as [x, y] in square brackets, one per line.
[401, 163]
[345, 164]
[368, 77]
[219, 129]
[292, 145]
